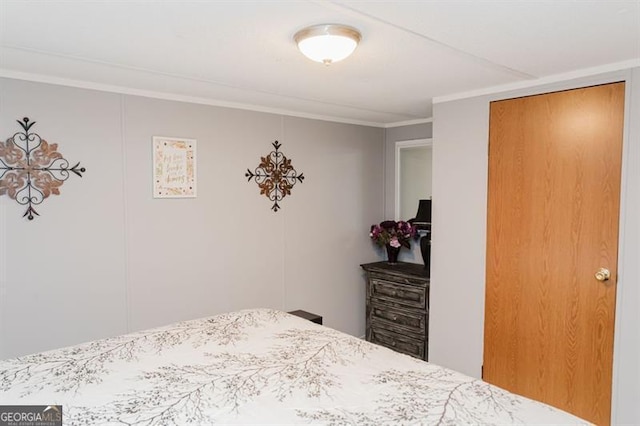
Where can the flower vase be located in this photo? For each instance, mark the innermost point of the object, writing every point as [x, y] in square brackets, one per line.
[392, 254]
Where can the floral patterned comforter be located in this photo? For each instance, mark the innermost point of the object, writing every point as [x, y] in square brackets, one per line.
[256, 367]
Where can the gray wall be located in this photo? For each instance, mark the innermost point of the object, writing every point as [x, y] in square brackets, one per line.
[105, 257]
[458, 254]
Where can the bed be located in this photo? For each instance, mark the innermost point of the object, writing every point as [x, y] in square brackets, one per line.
[258, 366]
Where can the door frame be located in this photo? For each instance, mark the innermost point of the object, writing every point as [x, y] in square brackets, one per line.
[410, 143]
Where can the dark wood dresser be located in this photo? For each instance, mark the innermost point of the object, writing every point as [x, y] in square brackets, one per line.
[398, 307]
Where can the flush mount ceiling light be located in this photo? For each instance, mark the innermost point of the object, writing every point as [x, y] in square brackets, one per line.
[327, 43]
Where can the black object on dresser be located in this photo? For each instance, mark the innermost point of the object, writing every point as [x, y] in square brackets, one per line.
[422, 222]
[308, 316]
[398, 307]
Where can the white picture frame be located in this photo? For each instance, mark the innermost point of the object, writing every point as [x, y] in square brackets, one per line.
[174, 167]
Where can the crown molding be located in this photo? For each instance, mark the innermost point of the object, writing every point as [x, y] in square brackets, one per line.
[408, 122]
[41, 78]
[585, 72]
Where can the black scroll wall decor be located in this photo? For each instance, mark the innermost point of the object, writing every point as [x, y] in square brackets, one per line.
[31, 168]
[275, 176]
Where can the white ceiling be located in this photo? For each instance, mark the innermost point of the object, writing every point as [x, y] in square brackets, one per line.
[241, 53]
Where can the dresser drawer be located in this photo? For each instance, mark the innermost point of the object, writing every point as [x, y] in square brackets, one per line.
[398, 343]
[408, 295]
[397, 314]
[412, 320]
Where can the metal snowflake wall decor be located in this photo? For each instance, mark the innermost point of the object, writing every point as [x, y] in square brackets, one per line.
[31, 169]
[275, 176]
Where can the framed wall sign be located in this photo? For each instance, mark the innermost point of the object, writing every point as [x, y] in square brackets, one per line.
[174, 167]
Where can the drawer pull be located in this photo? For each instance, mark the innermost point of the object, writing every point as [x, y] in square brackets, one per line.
[394, 293]
[395, 318]
[393, 344]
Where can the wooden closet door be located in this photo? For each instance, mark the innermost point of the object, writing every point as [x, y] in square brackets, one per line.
[553, 207]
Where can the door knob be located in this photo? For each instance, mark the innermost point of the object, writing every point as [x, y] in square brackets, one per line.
[603, 274]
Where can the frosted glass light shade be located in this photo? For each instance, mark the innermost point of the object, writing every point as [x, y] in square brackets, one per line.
[327, 43]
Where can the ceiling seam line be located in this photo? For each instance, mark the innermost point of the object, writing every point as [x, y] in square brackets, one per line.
[479, 59]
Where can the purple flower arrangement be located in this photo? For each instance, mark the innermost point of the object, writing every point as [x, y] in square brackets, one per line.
[396, 234]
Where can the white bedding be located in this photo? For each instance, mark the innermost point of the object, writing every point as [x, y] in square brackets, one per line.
[256, 367]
